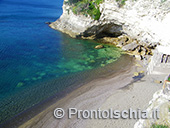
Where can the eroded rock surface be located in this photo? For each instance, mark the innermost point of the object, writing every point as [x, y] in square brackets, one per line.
[145, 20]
[160, 102]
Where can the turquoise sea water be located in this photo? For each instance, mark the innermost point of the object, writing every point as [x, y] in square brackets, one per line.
[32, 55]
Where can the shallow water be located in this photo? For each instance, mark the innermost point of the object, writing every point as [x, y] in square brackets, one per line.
[32, 54]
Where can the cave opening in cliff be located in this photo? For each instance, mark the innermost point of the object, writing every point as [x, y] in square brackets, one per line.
[107, 34]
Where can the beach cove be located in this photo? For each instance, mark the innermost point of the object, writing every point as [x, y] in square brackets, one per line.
[38, 63]
[106, 77]
[104, 96]
[145, 22]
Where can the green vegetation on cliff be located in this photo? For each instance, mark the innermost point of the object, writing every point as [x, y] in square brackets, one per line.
[86, 7]
[159, 126]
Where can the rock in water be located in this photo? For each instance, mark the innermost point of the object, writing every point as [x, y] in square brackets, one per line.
[99, 47]
[20, 84]
[48, 23]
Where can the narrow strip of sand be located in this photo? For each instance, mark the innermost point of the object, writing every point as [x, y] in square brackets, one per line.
[117, 92]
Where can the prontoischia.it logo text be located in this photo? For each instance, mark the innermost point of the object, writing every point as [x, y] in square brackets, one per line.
[105, 114]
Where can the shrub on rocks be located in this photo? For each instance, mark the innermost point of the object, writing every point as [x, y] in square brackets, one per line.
[86, 7]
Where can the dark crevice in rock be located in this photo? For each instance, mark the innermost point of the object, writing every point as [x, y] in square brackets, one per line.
[100, 31]
[106, 34]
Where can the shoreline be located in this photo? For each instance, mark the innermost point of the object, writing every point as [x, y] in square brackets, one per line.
[129, 94]
[106, 73]
[89, 96]
[117, 90]
[102, 93]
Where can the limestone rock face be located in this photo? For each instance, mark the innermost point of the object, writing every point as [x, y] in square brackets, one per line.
[72, 24]
[161, 102]
[146, 20]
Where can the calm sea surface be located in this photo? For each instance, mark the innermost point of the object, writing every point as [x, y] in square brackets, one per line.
[32, 55]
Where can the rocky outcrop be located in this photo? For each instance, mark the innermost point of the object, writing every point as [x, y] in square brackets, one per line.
[72, 24]
[131, 46]
[145, 20]
[137, 27]
[160, 102]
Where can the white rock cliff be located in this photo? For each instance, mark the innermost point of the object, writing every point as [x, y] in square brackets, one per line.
[145, 20]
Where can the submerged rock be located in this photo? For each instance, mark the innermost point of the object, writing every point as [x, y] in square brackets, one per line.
[102, 65]
[39, 77]
[42, 74]
[20, 84]
[92, 61]
[109, 61]
[34, 78]
[99, 46]
[26, 79]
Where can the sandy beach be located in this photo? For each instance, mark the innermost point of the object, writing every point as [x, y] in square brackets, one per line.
[118, 92]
